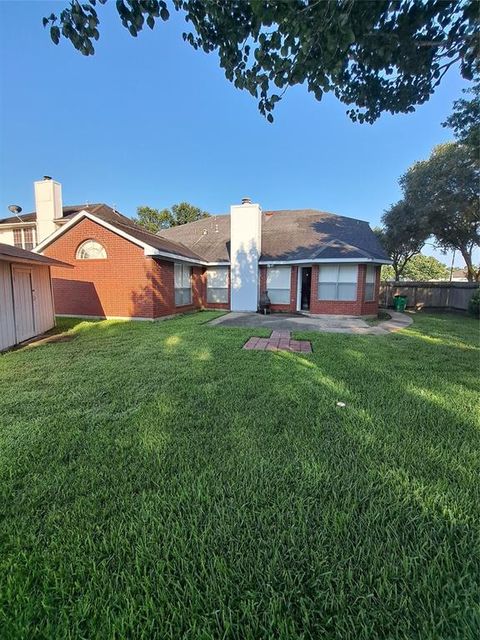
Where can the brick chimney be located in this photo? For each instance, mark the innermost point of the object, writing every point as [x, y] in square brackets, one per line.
[245, 250]
[48, 205]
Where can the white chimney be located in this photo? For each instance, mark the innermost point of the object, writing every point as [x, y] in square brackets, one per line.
[49, 207]
[245, 250]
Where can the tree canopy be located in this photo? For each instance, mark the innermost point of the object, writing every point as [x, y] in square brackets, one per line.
[465, 119]
[402, 235]
[155, 220]
[374, 55]
[444, 193]
[419, 268]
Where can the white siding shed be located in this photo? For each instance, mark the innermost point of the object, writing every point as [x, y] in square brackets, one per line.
[26, 299]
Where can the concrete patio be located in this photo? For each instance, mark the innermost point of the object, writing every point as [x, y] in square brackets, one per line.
[320, 323]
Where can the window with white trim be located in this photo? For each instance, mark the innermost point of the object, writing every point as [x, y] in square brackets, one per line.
[91, 250]
[278, 284]
[24, 238]
[370, 278]
[337, 282]
[183, 284]
[217, 284]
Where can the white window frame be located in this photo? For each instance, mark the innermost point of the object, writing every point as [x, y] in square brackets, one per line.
[279, 295]
[217, 276]
[370, 282]
[82, 245]
[24, 244]
[337, 283]
[182, 274]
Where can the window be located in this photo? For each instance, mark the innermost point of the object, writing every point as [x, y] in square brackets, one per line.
[24, 238]
[28, 239]
[18, 238]
[370, 283]
[337, 282]
[278, 284]
[217, 284]
[183, 285]
[91, 250]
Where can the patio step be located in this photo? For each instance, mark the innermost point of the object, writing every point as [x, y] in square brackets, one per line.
[278, 341]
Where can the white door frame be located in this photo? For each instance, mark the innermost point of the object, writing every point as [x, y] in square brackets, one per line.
[18, 312]
[299, 288]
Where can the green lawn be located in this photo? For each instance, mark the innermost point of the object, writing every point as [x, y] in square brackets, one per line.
[157, 481]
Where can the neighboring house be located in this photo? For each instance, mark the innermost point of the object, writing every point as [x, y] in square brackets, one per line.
[308, 260]
[26, 302]
[459, 275]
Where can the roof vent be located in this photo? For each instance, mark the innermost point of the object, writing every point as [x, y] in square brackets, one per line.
[47, 177]
[246, 200]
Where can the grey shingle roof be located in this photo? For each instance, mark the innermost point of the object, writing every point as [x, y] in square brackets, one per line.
[290, 234]
[297, 234]
[113, 217]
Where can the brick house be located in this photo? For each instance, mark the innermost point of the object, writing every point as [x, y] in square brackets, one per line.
[307, 260]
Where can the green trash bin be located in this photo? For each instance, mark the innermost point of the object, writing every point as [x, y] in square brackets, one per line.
[400, 303]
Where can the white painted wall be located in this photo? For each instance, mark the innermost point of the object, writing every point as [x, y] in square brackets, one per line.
[48, 204]
[245, 250]
[43, 309]
[6, 236]
[42, 299]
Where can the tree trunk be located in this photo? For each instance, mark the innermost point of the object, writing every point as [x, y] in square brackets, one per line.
[472, 275]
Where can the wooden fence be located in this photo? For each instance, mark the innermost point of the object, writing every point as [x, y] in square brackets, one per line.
[429, 295]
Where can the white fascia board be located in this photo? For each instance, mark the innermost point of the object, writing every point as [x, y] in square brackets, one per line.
[173, 256]
[17, 225]
[325, 261]
[152, 253]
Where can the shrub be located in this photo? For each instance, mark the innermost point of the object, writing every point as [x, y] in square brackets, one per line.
[474, 304]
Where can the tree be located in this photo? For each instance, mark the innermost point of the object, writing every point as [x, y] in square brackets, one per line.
[155, 220]
[402, 235]
[377, 55]
[419, 268]
[444, 193]
[184, 212]
[465, 119]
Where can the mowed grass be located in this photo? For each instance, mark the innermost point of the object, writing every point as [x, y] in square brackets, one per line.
[157, 481]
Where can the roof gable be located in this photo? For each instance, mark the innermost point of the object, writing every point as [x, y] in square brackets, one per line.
[152, 244]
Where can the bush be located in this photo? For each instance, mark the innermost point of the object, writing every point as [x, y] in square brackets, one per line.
[474, 304]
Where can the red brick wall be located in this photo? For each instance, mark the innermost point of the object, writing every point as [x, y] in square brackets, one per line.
[283, 308]
[356, 307]
[126, 284]
[163, 288]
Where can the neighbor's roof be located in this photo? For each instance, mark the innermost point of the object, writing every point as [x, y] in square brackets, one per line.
[15, 254]
[116, 219]
[287, 235]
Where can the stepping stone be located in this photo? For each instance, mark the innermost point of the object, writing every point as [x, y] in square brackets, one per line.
[278, 341]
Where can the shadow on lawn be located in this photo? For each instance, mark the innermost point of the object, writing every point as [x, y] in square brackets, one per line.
[200, 468]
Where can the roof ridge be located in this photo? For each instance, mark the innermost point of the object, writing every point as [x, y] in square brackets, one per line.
[156, 236]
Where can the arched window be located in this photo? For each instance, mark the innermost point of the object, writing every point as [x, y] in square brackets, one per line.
[91, 250]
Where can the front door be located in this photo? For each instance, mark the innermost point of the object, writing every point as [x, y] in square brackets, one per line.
[23, 303]
[305, 287]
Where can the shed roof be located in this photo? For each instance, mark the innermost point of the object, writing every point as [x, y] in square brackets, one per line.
[16, 254]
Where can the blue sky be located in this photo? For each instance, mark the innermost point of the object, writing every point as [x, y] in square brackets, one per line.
[151, 121]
